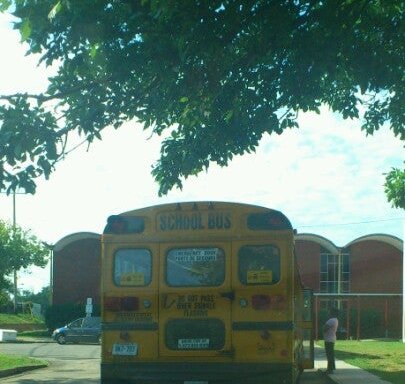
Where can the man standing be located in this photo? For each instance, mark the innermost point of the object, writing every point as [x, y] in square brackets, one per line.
[329, 336]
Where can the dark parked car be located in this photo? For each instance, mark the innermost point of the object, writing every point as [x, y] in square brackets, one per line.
[83, 330]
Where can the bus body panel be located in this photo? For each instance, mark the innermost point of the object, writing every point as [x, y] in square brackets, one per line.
[127, 326]
[261, 332]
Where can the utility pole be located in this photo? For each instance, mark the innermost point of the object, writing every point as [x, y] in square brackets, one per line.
[339, 276]
[15, 271]
[403, 286]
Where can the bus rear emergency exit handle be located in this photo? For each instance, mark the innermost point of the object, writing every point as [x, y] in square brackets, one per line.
[228, 295]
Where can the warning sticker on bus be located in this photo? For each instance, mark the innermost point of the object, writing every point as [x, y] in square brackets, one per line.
[133, 278]
[259, 277]
[193, 343]
[192, 255]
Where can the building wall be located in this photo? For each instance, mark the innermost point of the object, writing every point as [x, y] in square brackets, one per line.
[376, 267]
[307, 253]
[76, 272]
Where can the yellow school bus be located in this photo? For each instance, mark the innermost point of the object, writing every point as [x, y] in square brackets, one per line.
[203, 293]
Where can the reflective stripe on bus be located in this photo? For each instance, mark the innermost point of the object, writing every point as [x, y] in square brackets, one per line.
[120, 326]
[262, 325]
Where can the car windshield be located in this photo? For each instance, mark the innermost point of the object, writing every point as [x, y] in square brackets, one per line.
[76, 324]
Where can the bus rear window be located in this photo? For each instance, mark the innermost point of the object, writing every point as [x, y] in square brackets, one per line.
[193, 267]
[132, 267]
[259, 264]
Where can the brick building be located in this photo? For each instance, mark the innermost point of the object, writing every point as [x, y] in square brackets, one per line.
[76, 269]
[363, 278]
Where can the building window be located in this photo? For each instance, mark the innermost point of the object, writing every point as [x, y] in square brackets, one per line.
[334, 273]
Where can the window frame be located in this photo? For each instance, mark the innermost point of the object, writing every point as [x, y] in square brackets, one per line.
[166, 270]
[116, 283]
[244, 282]
[329, 265]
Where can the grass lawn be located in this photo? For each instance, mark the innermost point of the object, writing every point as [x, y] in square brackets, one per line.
[20, 318]
[34, 334]
[385, 359]
[9, 362]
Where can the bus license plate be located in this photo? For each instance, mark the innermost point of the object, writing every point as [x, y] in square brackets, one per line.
[125, 349]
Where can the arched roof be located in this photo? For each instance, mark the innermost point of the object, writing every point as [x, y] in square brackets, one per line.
[64, 241]
[388, 239]
[322, 241]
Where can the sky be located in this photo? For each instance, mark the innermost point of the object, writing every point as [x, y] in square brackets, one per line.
[326, 176]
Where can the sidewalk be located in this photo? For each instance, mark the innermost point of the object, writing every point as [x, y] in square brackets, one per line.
[345, 373]
[22, 339]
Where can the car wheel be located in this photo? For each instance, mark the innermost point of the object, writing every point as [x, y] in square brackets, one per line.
[61, 339]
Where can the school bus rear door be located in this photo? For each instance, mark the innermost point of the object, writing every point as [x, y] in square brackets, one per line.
[195, 300]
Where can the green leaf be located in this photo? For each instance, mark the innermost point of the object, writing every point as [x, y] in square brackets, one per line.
[93, 50]
[5, 5]
[55, 10]
[25, 30]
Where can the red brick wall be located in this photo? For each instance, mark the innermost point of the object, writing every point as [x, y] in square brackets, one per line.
[76, 272]
[375, 267]
[308, 262]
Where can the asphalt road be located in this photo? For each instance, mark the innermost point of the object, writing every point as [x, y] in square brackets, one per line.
[78, 364]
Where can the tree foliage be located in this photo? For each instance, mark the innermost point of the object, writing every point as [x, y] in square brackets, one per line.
[395, 187]
[213, 76]
[18, 249]
[43, 297]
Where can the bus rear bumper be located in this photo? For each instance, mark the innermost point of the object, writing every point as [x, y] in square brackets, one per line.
[196, 373]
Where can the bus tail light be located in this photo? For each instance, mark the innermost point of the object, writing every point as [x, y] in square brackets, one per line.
[277, 302]
[130, 303]
[117, 304]
[112, 304]
[263, 302]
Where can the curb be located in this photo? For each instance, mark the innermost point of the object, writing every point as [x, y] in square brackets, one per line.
[17, 370]
[26, 341]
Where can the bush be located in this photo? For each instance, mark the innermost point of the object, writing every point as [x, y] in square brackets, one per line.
[371, 325]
